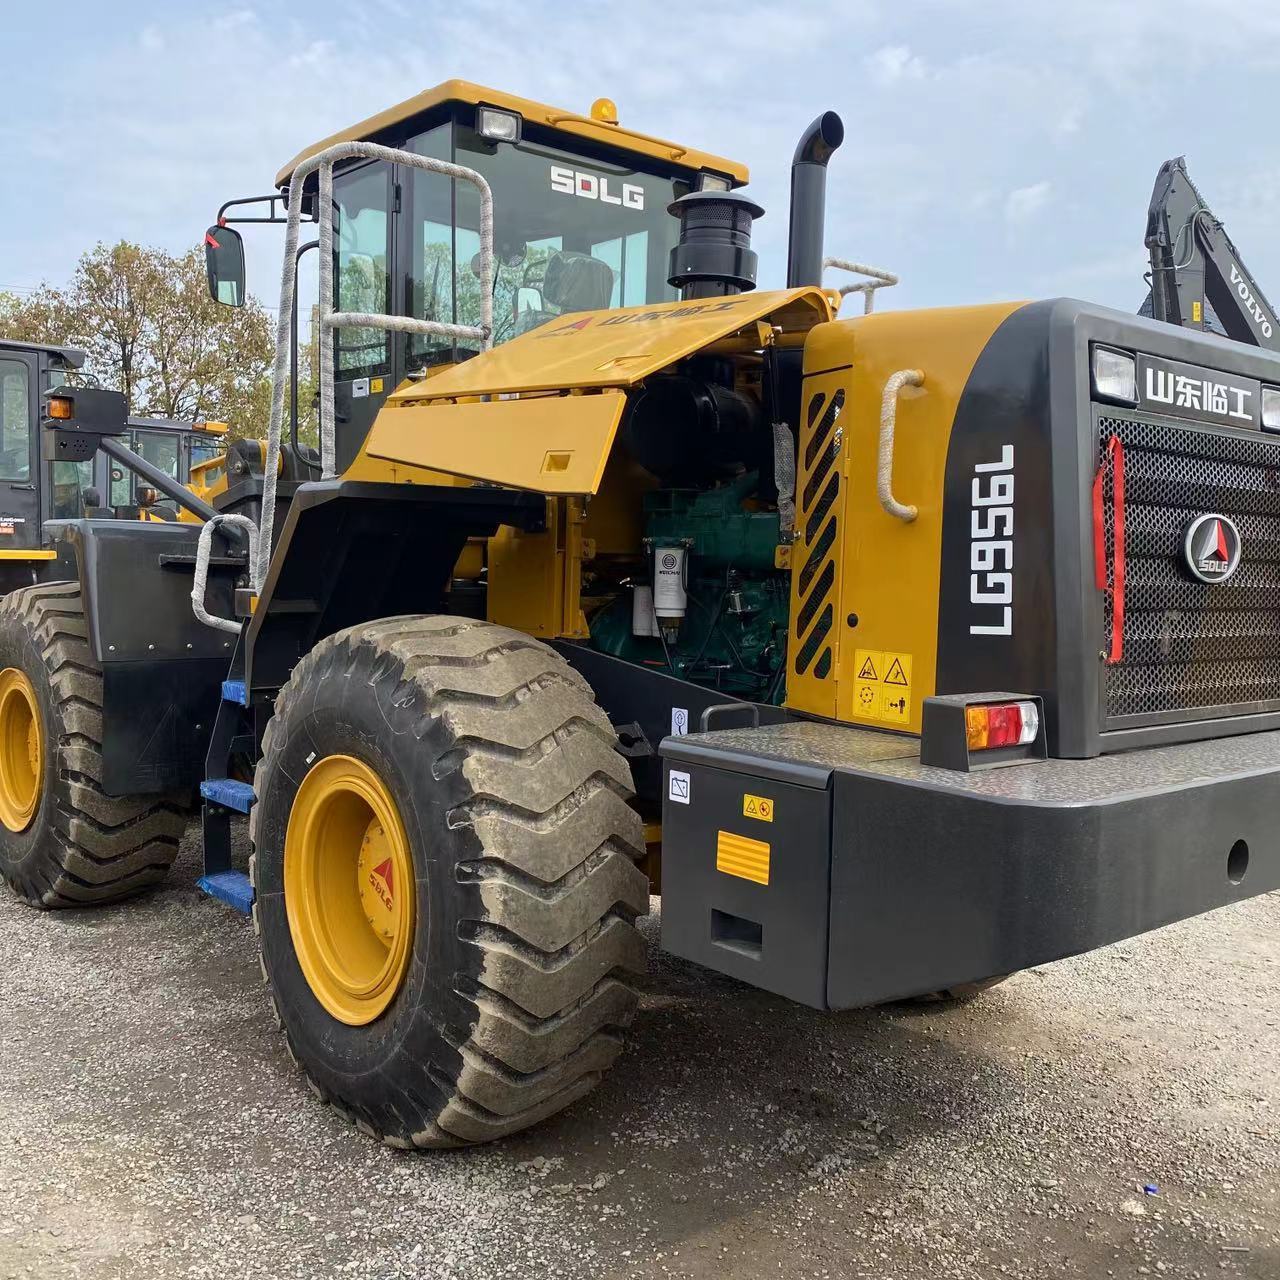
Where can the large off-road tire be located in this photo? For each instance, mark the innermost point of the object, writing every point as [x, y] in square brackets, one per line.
[471, 762]
[63, 841]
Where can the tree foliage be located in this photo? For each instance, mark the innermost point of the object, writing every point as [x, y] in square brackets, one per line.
[150, 329]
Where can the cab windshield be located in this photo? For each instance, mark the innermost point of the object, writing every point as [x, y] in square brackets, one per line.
[570, 234]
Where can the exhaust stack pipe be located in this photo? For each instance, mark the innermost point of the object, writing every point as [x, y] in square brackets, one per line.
[809, 198]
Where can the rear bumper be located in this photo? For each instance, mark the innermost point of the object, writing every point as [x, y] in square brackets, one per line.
[877, 877]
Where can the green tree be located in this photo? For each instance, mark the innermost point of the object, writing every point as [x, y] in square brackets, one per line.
[150, 329]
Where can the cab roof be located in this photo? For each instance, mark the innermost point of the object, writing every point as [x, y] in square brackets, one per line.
[72, 357]
[599, 131]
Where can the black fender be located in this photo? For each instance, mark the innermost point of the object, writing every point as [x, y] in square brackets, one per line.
[162, 670]
[351, 551]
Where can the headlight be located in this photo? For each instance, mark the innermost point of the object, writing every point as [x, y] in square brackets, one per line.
[1115, 375]
[1271, 408]
[498, 126]
[712, 182]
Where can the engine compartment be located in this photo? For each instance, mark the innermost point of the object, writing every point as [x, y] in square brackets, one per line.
[704, 592]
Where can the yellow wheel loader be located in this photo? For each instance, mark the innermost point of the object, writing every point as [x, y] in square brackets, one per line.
[897, 652]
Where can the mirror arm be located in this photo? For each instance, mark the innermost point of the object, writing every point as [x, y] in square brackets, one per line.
[280, 216]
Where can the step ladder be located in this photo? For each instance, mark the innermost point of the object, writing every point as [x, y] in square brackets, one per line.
[223, 796]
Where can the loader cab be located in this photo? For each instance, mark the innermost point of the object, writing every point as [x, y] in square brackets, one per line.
[580, 223]
[31, 489]
[177, 448]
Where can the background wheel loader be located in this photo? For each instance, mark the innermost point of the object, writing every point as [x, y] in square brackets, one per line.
[34, 490]
[898, 652]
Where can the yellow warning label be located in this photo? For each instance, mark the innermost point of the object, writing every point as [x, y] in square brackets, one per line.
[375, 386]
[742, 857]
[760, 807]
[895, 706]
[1197, 314]
[882, 686]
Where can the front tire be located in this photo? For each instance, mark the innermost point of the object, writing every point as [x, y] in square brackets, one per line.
[488, 753]
[64, 842]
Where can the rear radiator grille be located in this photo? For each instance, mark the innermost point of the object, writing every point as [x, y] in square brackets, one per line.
[1193, 647]
[817, 519]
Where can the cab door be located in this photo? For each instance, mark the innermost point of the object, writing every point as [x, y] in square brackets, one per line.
[19, 452]
[362, 272]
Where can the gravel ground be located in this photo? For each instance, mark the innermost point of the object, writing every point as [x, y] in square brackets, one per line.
[151, 1124]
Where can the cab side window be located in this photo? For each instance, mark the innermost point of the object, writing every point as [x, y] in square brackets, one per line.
[361, 246]
[15, 421]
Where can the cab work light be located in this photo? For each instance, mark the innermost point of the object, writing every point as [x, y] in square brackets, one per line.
[1115, 375]
[968, 731]
[498, 126]
[1271, 408]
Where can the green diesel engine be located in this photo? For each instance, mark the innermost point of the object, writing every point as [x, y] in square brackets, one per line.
[713, 606]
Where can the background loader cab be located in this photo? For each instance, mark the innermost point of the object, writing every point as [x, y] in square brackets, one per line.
[581, 223]
[34, 490]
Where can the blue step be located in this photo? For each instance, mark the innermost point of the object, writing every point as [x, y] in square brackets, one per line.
[231, 887]
[229, 793]
[234, 691]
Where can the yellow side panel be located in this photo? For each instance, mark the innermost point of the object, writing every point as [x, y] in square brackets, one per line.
[615, 518]
[535, 579]
[619, 347]
[550, 444]
[385, 471]
[886, 584]
[8, 554]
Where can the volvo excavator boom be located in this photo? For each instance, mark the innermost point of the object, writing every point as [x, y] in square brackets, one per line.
[1193, 261]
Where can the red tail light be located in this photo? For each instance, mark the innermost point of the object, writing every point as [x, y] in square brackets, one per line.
[1004, 724]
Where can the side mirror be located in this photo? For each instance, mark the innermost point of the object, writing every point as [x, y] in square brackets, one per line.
[224, 259]
[528, 299]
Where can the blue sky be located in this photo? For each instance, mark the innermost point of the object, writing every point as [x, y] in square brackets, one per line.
[995, 148]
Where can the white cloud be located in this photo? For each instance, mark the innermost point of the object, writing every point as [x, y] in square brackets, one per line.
[895, 62]
[151, 38]
[313, 56]
[1023, 203]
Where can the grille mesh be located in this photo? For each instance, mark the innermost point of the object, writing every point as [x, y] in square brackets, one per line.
[1191, 646]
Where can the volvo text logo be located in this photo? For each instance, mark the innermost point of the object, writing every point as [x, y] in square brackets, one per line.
[1211, 548]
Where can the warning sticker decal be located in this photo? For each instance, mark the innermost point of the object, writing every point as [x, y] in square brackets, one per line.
[678, 786]
[882, 687]
[759, 807]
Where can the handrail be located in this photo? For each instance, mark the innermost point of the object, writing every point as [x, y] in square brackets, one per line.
[879, 279]
[329, 320]
[888, 422]
[204, 549]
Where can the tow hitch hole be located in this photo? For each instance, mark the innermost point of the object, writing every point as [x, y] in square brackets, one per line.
[1237, 862]
[737, 933]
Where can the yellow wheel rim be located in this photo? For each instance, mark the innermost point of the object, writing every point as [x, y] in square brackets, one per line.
[349, 889]
[21, 750]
